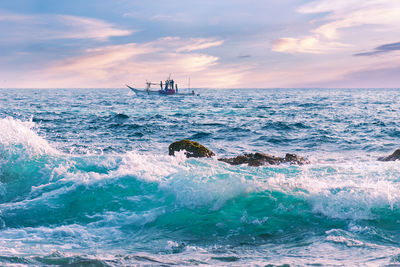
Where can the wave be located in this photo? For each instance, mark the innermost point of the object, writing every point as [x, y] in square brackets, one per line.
[196, 199]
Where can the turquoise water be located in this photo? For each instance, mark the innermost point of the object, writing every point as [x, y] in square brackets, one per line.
[85, 178]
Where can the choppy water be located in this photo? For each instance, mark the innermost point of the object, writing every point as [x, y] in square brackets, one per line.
[85, 178]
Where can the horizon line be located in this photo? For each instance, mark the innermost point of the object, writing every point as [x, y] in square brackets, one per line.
[207, 88]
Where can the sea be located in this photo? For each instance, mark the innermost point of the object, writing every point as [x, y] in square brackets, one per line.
[86, 179]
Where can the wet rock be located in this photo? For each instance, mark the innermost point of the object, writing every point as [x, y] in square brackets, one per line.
[259, 159]
[193, 149]
[295, 159]
[393, 157]
[256, 159]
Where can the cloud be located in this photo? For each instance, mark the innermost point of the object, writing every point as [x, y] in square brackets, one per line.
[164, 52]
[91, 64]
[307, 44]
[115, 65]
[335, 16]
[178, 17]
[229, 50]
[85, 28]
[24, 28]
[12, 17]
[99, 61]
[386, 48]
[187, 44]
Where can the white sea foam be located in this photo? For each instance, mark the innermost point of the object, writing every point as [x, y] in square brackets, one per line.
[17, 132]
[349, 190]
[22, 241]
[150, 167]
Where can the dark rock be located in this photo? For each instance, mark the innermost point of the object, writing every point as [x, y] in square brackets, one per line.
[294, 159]
[193, 149]
[258, 159]
[393, 157]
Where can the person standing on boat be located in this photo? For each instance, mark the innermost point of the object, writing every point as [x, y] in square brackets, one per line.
[161, 84]
[176, 88]
[172, 84]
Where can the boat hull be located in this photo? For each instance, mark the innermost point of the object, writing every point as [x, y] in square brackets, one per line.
[159, 92]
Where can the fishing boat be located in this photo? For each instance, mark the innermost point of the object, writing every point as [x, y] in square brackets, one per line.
[166, 88]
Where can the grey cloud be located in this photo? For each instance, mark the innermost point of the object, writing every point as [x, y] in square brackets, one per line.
[386, 48]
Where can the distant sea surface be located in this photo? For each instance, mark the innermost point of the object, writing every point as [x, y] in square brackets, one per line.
[86, 180]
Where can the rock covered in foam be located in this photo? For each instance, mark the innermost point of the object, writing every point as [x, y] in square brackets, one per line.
[394, 156]
[193, 149]
[258, 159]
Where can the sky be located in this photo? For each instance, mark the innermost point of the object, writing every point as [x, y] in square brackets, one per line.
[217, 43]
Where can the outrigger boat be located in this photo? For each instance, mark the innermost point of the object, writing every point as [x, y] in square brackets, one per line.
[167, 88]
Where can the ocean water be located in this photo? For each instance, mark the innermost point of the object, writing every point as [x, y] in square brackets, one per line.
[86, 180]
